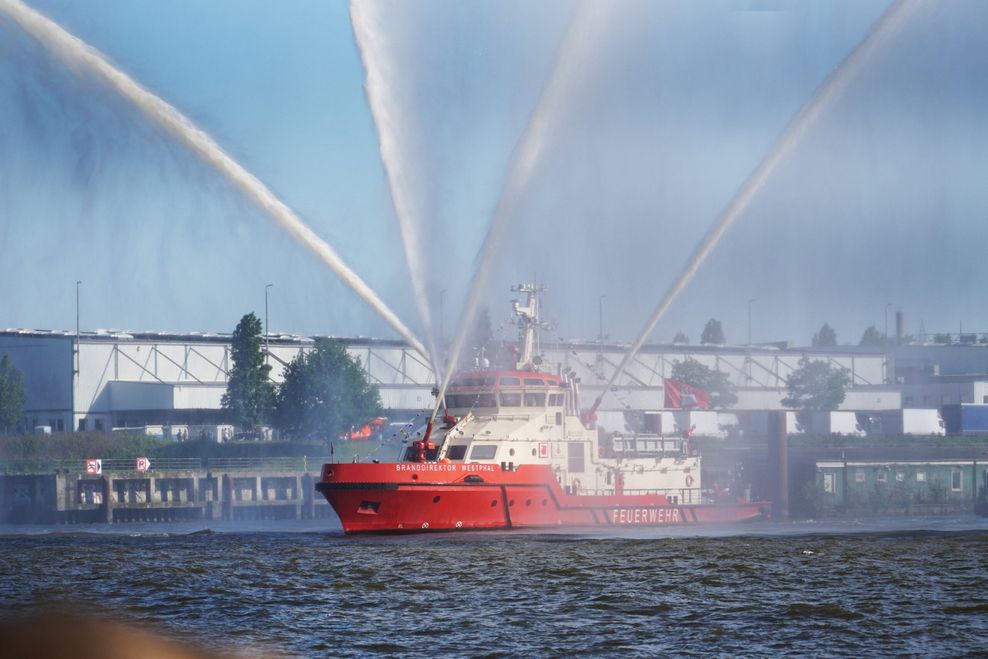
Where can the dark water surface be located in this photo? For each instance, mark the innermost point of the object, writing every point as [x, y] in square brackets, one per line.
[907, 587]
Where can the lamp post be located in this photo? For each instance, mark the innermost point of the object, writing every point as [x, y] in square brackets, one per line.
[266, 332]
[748, 364]
[749, 319]
[887, 324]
[600, 318]
[77, 285]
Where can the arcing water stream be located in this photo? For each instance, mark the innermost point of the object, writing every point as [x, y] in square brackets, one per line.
[584, 31]
[883, 29]
[77, 54]
[379, 64]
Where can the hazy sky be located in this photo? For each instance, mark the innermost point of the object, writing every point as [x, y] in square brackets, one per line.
[884, 203]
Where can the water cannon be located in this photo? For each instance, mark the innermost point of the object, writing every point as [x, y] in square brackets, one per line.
[592, 412]
[425, 444]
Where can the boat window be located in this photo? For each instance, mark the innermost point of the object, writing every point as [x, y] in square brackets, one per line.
[510, 382]
[485, 400]
[534, 400]
[536, 381]
[456, 452]
[510, 400]
[460, 400]
[483, 451]
[555, 399]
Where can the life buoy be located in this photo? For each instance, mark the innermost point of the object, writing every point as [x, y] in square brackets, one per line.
[689, 481]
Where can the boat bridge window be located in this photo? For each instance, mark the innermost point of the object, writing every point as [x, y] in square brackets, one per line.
[510, 399]
[460, 400]
[555, 399]
[483, 451]
[457, 452]
[534, 400]
[536, 381]
[486, 400]
[473, 382]
[510, 382]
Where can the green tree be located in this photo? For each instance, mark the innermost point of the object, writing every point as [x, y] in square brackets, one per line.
[249, 393]
[815, 386]
[826, 337]
[872, 338]
[942, 339]
[713, 333]
[680, 338]
[11, 396]
[325, 394]
[690, 371]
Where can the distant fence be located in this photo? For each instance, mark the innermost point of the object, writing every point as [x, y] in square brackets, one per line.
[166, 464]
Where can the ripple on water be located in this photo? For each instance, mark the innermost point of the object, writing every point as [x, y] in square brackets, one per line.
[518, 595]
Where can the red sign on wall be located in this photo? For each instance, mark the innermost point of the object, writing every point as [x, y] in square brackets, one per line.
[142, 464]
[94, 467]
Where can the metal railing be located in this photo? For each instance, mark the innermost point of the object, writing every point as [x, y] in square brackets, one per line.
[117, 465]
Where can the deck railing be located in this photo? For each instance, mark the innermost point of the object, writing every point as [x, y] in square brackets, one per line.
[44, 466]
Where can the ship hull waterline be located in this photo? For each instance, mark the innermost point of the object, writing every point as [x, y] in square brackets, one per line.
[385, 498]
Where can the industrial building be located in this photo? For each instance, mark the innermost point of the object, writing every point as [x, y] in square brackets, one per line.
[111, 379]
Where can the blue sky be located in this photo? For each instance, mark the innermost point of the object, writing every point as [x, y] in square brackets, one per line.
[883, 203]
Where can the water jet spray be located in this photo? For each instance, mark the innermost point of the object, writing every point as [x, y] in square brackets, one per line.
[586, 27]
[76, 53]
[889, 22]
[385, 111]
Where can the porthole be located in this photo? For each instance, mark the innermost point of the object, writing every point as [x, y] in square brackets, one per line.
[494, 503]
[511, 452]
[528, 502]
[435, 499]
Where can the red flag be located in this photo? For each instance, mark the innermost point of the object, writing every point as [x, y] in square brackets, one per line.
[679, 395]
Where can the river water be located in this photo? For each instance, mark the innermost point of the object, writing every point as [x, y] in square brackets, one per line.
[909, 586]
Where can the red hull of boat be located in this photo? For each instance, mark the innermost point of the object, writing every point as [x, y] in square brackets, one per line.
[417, 497]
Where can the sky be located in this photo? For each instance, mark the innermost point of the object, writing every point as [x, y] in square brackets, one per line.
[881, 206]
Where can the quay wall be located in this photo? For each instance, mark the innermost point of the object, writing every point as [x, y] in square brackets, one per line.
[67, 497]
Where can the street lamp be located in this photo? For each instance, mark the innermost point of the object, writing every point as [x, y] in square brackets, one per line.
[748, 356]
[77, 285]
[887, 323]
[749, 318]
[266, 332]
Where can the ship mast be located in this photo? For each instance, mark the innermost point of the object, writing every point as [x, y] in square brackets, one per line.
[528, 323]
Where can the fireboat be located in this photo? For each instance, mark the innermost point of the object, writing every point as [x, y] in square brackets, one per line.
[515, 451]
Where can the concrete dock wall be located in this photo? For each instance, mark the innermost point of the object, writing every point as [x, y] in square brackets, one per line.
[159, 496]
